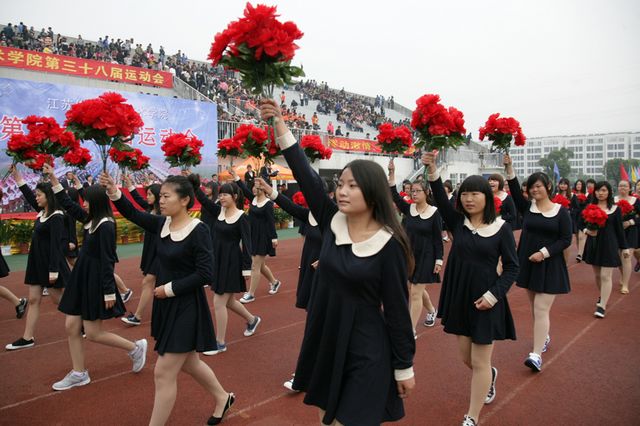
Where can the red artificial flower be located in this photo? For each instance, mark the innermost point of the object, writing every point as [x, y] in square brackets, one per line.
[497, 203]
[299, 199]
[501, 131]
[77, 157]
[626, 209]
[229, 148]
[406, 197]
[181, 150]
[562, 200]
[314, 149]
[132, 159]
[438, 126]
[394, 140]
[594, 217]
[253, 140]
[582, 198]
[38, 160]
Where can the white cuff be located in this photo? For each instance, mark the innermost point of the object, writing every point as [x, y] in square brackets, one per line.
[489, 297]
[57, 188]
[246, 273]
[273, 195]
[286, 141]
[21, 182]
[545, 252]
[439, 262]
[78, 185]
[275, 240]
[131, 188]
[433, 177]
[584, 231]
[392, 183]
[632, 222]
[110, 297]
[53, 276]
[404, 374]
[168, 289]
[116, 196]
[511, 176]
[237, 178]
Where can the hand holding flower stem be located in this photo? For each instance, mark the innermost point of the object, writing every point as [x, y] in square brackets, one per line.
[108, 182]
[261, 184]
[508, 164]
[47, 169]
[429, 160]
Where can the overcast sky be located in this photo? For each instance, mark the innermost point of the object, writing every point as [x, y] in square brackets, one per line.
[559, 66]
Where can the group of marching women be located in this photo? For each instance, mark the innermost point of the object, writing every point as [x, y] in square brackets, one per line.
[364, 274]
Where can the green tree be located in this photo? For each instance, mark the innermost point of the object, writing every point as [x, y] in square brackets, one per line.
[612, 167]
[561, 158]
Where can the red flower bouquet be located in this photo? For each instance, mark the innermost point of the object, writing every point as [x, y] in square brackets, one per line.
[252, 139]
[406, 197]
[582, 198]
[229, 148]
[314, 149]
[107, 120]
[131, 159]
[299, 199]
[562, 200]
[626, 209]
[77, 157]
[260, 48]
[394, 140]
[182, 151]
[497, 204]
[38, 161]
[594, 217]
[501, 131]
[438, 127]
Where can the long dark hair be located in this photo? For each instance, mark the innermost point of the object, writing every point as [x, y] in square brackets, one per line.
[215, 190]
[566, 193]
[599, 185]
[155, 190]
[183, 187]
[374, 185]
[477, 183]
[583, 190]
[542, 178]
[234, 190]
[99, 205]
[52, 202]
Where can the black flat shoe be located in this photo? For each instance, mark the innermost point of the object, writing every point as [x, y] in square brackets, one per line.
[213, 420]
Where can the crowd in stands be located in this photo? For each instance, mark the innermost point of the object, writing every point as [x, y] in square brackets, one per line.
[235, 103]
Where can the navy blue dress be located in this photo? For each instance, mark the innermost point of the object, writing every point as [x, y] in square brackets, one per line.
[425, 233]
[602, 250]
[148, 257]
[631, 234]
[47, 249]
[358, 328]
[471, 272]
[576, 208]
[508, 211]
[181, 323]
[549, 230]
[263, 224]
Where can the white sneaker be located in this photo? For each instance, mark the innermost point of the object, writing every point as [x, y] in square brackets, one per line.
[491, 395]
[247, 298]
[139, 355]
[274, 287]
[468, 421]
[430, 319]
[71, 380]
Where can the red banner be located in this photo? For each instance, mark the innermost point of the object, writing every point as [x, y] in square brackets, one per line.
[358, 145]
[69, 65]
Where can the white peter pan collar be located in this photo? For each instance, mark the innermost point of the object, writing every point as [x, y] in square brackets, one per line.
[364, 248]
[312, 220]
[551, 213]
[612, 209]
[44, 218]
[180, 234]
[503, 195]
[630, 199]
[232, 219]
[254, 202]
[91, 230]
[413, 211]
[487, 231]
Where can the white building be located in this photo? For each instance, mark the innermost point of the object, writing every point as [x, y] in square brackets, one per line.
[590, 152]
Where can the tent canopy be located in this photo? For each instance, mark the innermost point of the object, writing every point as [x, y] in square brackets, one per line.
[284, 173]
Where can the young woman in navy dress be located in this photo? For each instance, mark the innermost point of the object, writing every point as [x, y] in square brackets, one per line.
[231, 259]
[473, 300]
[148, 258]
[630, 227]
[546, 233]
[356, 358]
[579, 190]
[91, 294]
[508, 209]
[601, 249]
[19, 303]
[564, 188]
[181, 320]
[264, 238]
[423, 225]
[210, 191]
[46, 264]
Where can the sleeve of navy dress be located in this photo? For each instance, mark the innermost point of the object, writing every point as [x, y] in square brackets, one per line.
[451, 216]
[208, 204]
[58, 240]
[271, 219]
[70, 225]
[139, 199]
[245, 189]
[107, 242]
[29, 196]
[396, 309]
[521, 204]
[311, 185]
[147, 221]
[299, 212]
[510, 265]
[564, 233]
[402, 205]
[245, 237]
[71, 207]
[619, 230]
[438, 245]
[203, 253]
[508, 211]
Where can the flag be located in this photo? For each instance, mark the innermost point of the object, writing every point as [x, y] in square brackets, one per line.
[556, 171]
[634, 175]
[623, 173]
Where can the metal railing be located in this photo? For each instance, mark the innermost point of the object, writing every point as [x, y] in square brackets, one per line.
[186, 91]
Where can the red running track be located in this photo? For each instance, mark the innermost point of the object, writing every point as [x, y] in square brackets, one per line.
[591, 373]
